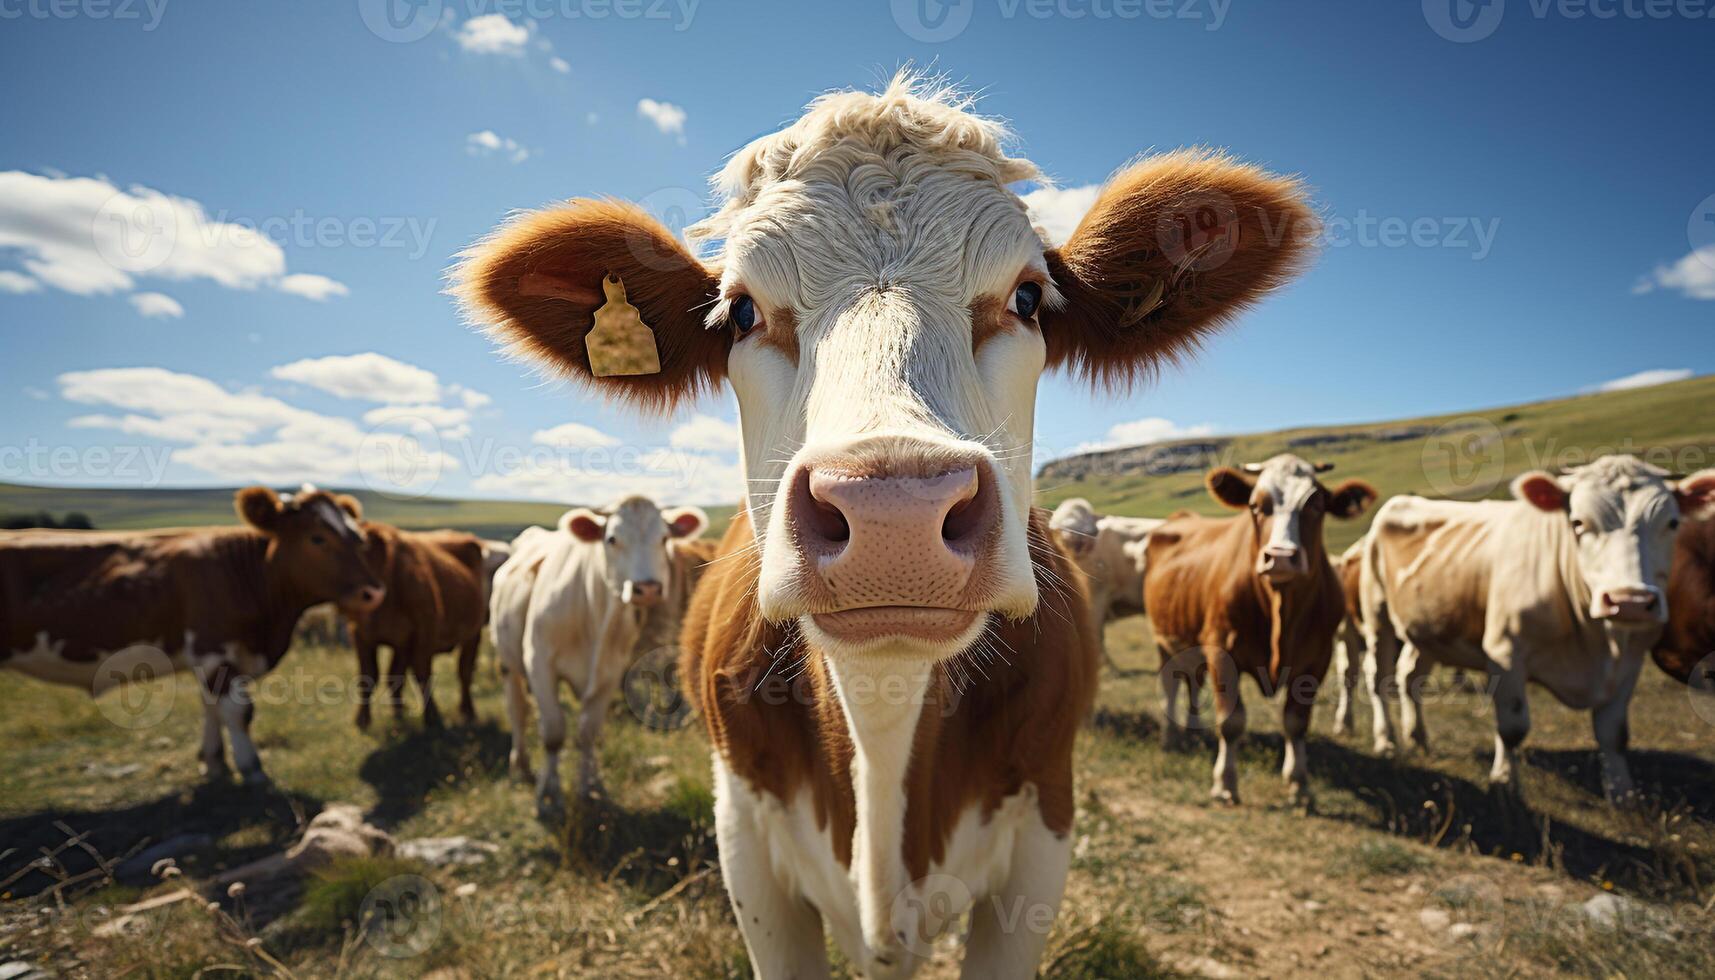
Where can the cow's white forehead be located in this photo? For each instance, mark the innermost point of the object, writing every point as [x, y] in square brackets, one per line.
[634, 515]
[1288, 478]
[1623, 485]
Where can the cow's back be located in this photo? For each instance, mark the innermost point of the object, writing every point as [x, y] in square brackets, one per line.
[1119, 559]
[1434, 562]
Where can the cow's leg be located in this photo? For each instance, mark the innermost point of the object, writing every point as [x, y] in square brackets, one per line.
[1348, 657]
[782, 931]
[1294, 723]
[236, 712]
[213, 753]
[367, 669]
[605, 679]
[1193, 699]
[396, 681]
[420, 662]
[467, 672]
[550, 718]
[1010, 927]
[1512, 723]
[1381, 653]
[1612, 734]
[1413, 674]
[1230, 723]
[1171, 734]
[517, 694]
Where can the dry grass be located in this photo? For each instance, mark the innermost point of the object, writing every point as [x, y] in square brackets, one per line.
[1163, 882]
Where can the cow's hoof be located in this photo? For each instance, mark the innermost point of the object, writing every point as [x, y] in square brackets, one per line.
[467, 716]
[215, 772]
[363, 719]
[1223, 796]
[1386, 750]
[1298, 797]
[256, 778]
[550, 808]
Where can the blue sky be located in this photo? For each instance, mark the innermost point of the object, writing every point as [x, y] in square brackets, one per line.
[1518, 208]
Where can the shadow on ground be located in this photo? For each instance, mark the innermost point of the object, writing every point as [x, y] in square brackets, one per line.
[415, 760]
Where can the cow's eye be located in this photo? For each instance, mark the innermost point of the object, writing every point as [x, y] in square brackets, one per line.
[744, 315]
[613, 540]
[1025, 299]
[317, 539]
[1577, 527]
[1673, 525]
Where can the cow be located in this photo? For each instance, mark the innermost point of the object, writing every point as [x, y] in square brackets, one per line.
[1254, 594]
[95, 609]
[437, 600]
[1349, 656]
[1109, 552]
[882, 307]
[578, 605]
[1565, 585]
[1686, 651]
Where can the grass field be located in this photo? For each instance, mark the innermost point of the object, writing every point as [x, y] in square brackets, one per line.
[1410, 866]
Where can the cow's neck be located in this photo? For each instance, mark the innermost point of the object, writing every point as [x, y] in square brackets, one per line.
[882, 699]
[273, 602]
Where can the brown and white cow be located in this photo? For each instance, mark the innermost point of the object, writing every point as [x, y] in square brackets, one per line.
[1687, 647]
[437, 600]
[577, 605]
[1110, 552]
[1564, 586]
[97, 609]
[1254, 595]
[883, 307]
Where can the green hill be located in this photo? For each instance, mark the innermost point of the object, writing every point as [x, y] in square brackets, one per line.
[1466, 455]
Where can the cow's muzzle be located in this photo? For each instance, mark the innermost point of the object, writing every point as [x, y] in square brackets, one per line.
[641, 592]
[1282, 563]
[363, 599]
[1630, 607]
[892, 553]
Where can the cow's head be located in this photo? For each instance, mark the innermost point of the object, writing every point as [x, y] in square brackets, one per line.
[634, 535]
[1623, 513]
[883, 307]
[1074, 526]
[315, 544]
[1287, 504]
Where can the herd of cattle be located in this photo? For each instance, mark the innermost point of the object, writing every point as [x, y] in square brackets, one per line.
[890, 650]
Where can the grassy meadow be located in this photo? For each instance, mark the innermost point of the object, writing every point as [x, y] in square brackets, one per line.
[1405, 866]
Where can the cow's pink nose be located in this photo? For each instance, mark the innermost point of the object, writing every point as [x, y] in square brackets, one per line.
[883, 539]
[1283, 561]
[1630, 604]
[643, 592]
[369, 597]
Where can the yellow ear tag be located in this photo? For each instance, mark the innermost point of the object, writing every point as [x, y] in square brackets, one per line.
[620, 343]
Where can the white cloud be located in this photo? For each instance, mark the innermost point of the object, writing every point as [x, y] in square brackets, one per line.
[370, 376]
[666, 476]
[1693, 275]
[1643, 379]
[311, 286]
[156, 305]
[217, 425]
[666, 116]
[85, 236]
[17, 282]
[705, 433]
[571, 435]
[1057, 210]
[472, 398]
[493, 34]
[560, 65]
[1138, 432]
[489, 142]
[418, 417]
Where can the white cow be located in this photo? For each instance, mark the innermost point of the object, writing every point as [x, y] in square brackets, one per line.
[1564, 586]
[576, 604]
[1110, 551]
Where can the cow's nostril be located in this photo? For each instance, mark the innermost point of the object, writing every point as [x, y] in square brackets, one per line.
[818, 517]
[969, 514]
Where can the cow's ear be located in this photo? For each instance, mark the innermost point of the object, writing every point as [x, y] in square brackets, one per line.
[1230, 487]
[686, 522]
[587, 526]
[1174, 248]
[258, 507]
[1542, 491]
[351, 505]
[536, 282]
[1351, 499]
[1696, 495]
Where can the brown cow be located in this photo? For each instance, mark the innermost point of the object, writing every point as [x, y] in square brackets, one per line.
[437, 599]
[1686, 650]
[883, 307]
[96, 609]
[1254, 594]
